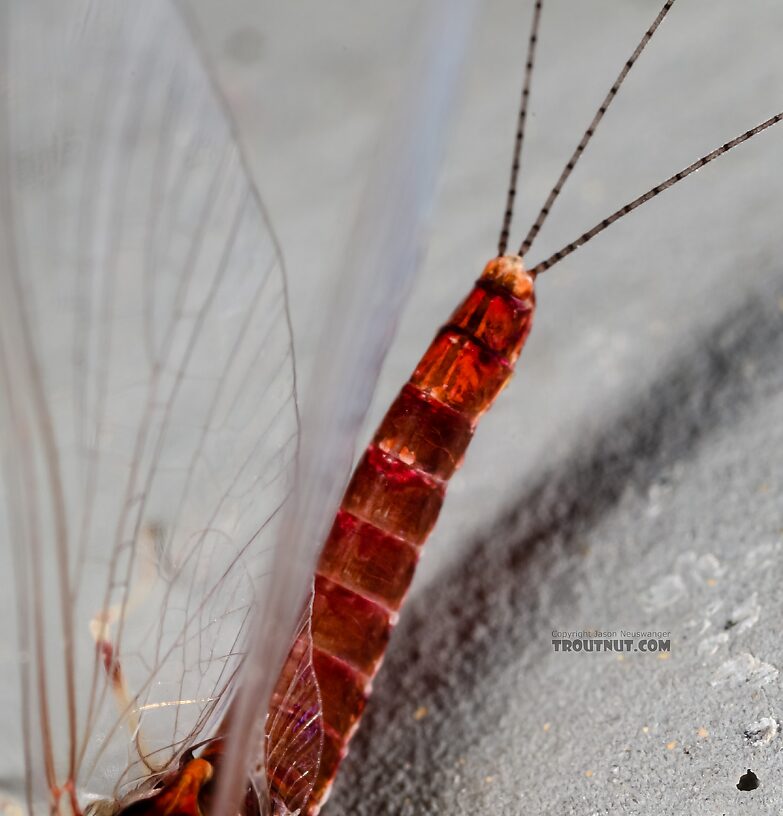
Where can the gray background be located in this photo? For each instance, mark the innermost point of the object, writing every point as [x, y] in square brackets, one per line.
[630, 477]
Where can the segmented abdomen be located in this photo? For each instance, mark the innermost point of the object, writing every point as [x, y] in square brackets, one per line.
[395, 495]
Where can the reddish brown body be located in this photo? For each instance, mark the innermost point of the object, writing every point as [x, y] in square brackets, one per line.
[395, 495]
[387, 512]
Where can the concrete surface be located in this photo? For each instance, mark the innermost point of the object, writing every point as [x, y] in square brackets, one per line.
[630, 477]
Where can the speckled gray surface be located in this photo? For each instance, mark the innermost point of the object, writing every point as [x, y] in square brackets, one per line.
[631, 476]
[666, 519]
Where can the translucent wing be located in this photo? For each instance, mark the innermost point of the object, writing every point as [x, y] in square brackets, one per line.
[368, 296]
[294, 727]
[148, 408]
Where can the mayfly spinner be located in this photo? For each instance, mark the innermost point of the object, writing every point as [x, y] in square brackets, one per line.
[152, 444]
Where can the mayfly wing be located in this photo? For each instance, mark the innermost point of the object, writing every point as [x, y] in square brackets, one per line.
[367, 299]
[149, 421]
[293, 741]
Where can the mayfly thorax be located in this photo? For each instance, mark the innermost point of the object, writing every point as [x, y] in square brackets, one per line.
[153, 444]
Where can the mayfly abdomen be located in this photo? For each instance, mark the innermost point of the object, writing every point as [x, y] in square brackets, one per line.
[394, 498]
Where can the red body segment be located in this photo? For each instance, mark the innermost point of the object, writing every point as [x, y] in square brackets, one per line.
[395, 495]
[360, 557]
[421, 430]
[457, 371]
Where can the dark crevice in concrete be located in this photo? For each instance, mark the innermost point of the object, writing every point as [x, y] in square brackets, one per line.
[748, 781]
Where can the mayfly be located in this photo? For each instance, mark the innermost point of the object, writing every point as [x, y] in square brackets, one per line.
[150, 429]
